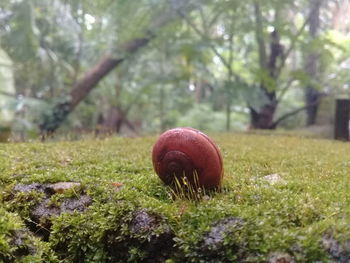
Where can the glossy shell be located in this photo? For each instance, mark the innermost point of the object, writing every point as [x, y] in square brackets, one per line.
[184, 152]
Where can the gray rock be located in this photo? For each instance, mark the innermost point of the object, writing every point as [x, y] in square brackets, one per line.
[142, 222]
[41, 213]
[76, 204]
[20, 241]
[44, 210]
[215, 237]
[339, 253]
[68, 205]
[149, 232]
[25, 188]
[280, 257]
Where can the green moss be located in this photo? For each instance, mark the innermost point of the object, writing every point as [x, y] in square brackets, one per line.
[22, 202]
[18, 244]
[311, 201]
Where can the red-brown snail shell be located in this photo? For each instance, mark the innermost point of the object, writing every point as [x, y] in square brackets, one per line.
[184, 152]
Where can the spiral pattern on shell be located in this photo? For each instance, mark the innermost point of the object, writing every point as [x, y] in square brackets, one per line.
[187, 152]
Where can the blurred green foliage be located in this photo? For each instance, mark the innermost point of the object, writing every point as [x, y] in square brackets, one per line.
[207, 56]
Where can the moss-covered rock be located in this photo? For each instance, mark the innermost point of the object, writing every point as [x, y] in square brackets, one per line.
[283, 199]
[18, 244]
[38, 203]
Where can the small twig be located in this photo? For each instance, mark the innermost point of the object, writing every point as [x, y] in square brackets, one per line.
[37, 225]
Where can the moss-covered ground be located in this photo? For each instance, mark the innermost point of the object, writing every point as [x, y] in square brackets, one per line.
[303, 215]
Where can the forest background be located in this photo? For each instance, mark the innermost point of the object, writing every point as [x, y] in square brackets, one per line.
[139, 67]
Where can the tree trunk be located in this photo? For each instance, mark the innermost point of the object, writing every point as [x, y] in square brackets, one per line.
[83, 87]
[113, 122]
[199, 91]
[341, 126]
[312, 95]
[312, 98]
[263, 118]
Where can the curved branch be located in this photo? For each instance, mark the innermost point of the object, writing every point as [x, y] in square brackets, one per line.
[293, 112]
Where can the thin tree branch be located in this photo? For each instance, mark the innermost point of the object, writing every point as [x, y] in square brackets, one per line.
[203, 36]
[14, 96]
[77, 59]
[8, 94]
[203, 20]
[292, 46]
[293, 112]
[260, 36]
[215, 18]
[284, 90]
[211, 46]
[231, 47]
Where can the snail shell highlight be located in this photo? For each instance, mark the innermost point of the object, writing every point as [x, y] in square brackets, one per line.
[187, 152]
